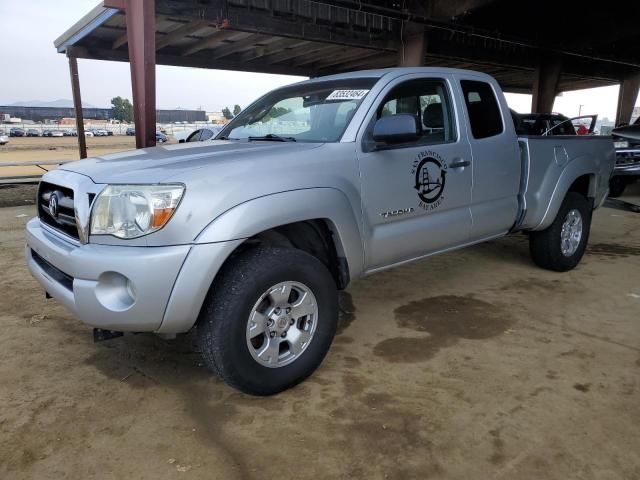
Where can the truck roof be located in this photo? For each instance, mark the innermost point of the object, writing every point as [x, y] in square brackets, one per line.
[394, 72]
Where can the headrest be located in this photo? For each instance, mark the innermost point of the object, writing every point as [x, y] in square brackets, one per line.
[432, 116]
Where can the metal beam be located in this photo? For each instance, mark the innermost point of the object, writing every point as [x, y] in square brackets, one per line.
[199, 61]
[210, 41]
[373, 60]
[253, 20]
[413, 44]
[348, 56]
[141, 29]
[330, 52]
[77, 104]
[451, 9]
[180, 32]
[296, 52]
[278, 46]
[627, 97]
[545, 85]
[120, 41]
[240, 45]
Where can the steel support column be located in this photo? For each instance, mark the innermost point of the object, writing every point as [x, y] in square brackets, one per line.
[545, 83]
[627, 97]
[77, 104]
[412, 50]
[141, 37]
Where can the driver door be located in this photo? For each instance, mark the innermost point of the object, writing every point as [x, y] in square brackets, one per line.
[415, 196]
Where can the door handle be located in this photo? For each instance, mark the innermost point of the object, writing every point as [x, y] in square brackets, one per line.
[460, 164]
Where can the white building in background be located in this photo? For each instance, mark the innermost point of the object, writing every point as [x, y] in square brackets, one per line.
[635, 114]
[215, 117]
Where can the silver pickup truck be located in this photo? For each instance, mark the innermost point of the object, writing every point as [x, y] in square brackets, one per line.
[248, 237]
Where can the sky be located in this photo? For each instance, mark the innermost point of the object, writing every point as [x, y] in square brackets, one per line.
[33, 70]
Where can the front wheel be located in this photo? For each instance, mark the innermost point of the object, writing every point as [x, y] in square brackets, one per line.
[561, 246]
[269, 319]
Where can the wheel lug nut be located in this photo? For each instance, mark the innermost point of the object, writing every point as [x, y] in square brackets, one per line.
[288, 310]
[272, 334]
[284, 334]
[270, 322]
[277, 311]
[292, 321]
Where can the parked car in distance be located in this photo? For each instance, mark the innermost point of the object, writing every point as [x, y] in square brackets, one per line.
[56, 133]
[161, 137]
[32, 132]
[627, 169]
[201, 134]
[88, 133]
[130, 131]
[4, 139]
[249, 237]
[17, 132]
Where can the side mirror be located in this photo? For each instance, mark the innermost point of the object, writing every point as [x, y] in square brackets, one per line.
[400, 128]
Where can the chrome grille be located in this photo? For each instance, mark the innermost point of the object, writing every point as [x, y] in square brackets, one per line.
[59, 213]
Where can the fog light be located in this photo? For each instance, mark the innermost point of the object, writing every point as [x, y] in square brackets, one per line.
[115, 291]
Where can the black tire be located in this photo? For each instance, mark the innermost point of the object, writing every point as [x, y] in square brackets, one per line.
[545, 246]
[617, 186]
[221, 327]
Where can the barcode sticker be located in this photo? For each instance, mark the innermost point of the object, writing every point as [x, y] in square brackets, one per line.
[347, 94]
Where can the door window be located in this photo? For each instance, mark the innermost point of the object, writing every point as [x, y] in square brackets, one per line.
[206, 134]
[429, 102]
[483, 109]
[195, 136]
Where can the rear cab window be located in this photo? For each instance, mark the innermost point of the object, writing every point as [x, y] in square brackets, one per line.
[483, 109]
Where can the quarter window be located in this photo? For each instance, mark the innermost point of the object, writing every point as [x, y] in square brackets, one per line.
[429, 102]
[482, 107]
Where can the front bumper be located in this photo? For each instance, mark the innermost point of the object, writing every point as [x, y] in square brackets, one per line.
[131, 289]
[109, 287]
[627, 162]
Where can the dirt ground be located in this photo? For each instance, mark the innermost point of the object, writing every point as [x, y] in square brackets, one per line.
[473, 364]
[22, 149]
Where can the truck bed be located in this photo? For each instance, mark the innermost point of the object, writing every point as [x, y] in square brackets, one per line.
[549, 166]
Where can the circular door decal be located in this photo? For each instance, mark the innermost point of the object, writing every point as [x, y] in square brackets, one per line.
[429, 175]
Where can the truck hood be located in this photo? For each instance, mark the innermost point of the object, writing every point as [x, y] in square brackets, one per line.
[159, 164]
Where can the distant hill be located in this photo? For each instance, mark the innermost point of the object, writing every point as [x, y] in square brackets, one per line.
[60, 103]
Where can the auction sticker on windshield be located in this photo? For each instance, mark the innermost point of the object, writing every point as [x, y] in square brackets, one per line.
[347, 94]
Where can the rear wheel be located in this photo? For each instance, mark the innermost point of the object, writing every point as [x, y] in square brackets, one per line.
[269, 319]
[561, 246]
[617, 186]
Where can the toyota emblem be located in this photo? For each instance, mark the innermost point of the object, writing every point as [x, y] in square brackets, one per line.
[53, 205]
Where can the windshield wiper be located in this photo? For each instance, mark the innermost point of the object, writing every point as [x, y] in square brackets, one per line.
[273, 138]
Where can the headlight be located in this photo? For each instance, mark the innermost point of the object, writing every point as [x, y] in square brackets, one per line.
[621, 144]
[130, 211]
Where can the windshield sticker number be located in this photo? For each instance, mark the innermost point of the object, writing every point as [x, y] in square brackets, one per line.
[347, 94]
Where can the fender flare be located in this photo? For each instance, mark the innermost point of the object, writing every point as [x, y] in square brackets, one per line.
[575, 169]
[263, 213]
[219, 239]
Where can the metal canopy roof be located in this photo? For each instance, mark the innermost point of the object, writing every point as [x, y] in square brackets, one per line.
[306, 37]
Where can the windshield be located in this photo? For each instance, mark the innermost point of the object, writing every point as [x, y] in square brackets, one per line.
[315, 112]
